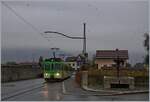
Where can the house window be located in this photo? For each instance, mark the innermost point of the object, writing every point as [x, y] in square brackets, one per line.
[73, 64]
[96, 65]
[78, 63]
[108, 65]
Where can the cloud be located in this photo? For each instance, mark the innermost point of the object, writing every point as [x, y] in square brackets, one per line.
[109, 24]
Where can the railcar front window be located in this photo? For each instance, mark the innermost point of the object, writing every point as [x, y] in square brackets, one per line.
[47, 66]
[56, 67]
[52, 66]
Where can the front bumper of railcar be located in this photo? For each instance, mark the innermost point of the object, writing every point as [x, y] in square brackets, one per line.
[54, 75]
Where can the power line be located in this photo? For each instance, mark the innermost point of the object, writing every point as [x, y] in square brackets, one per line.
[23, 19]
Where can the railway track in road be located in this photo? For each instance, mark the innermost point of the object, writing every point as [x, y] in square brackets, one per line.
[31, 88]
[25, 90]
[56, 91]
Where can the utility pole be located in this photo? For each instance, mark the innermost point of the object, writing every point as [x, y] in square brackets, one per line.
[84, 42]
[84, 38]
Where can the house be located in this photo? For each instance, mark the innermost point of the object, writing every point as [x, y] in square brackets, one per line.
[106, 58]
[74, 62]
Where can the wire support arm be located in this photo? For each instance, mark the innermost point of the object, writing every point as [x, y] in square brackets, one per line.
[64, 35]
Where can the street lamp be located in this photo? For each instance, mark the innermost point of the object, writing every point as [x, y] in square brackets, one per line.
[54, 49]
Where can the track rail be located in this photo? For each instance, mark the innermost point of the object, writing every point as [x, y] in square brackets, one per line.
[29, 89]
[22, 91]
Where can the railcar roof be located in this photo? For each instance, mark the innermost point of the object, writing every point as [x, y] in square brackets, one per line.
[54, 60]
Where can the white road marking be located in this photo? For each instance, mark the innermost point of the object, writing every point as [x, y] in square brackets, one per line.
[63, 88]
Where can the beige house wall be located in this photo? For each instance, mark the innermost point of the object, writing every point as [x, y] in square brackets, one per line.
[107, 62]
[73, 65]
[102, 62]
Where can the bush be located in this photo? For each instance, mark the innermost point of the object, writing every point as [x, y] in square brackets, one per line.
[142, 81]
[95, 77]
[11, 63]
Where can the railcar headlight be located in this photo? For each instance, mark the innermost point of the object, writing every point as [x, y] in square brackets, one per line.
[46, 74]
[57, 74]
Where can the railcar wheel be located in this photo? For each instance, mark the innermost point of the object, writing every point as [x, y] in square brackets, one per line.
[46, 80]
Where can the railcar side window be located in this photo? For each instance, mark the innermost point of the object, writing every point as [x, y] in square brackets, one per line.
[56, 66]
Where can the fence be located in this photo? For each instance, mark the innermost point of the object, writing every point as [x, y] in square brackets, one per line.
[19, 72]
[95, 76]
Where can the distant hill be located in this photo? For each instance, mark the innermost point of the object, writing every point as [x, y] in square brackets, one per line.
[23, 55]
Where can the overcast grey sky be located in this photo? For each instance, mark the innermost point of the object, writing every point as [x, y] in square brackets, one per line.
[112, 24]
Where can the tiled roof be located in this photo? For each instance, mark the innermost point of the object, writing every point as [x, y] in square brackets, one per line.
[71, 59]
[112, 54]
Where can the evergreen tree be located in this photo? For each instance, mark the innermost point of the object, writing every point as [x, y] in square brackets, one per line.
[40, 60]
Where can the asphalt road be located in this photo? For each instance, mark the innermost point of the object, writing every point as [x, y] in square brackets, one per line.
[55, 92]
[50, 91]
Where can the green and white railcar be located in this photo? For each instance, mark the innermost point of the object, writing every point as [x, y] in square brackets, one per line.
[55, 69]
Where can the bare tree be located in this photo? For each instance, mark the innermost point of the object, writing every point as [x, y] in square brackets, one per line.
[146, 45]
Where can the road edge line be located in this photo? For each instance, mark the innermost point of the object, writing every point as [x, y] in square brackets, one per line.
[63, 88]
